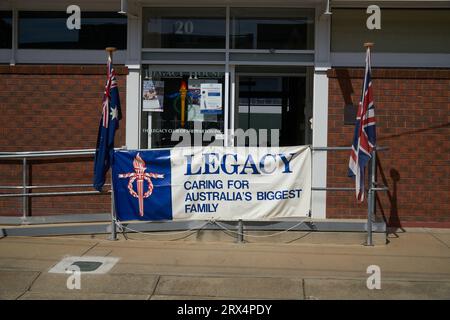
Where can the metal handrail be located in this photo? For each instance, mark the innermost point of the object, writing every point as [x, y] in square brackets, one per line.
[46, 194]
[78, 152]
[344, 148]
[26, 194]
[373, 187]
[45, 154]
[383, 188]
[51, 186]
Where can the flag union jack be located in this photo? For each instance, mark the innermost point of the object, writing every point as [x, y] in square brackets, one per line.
[364, 139]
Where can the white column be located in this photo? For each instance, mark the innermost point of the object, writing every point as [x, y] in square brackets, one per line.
[134, 34]
[320, 132]
[133, 62]
[226, 130]
[132, 124]
[233, 98]
[320, 112]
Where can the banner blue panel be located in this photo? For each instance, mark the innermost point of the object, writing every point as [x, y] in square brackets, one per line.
[142, 185]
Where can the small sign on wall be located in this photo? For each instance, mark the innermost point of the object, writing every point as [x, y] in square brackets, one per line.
[350, 114]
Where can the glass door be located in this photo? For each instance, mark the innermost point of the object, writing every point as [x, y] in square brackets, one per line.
[274, 102]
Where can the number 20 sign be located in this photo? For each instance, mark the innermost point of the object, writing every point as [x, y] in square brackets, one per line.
[184, 27]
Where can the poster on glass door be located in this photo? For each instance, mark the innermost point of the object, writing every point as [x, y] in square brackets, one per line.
[194, 113]
[211, 98]
[153, 96]
[194, 94]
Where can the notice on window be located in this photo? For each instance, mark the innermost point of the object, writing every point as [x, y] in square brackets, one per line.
[211, 98]
[194, 93]
[153, 96]
[194, 113]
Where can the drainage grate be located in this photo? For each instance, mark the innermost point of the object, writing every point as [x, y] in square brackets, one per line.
[87, 266]
[94, 265]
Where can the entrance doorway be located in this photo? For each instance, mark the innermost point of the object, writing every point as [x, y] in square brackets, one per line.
[277, 103]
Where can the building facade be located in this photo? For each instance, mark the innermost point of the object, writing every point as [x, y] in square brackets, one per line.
[294, 67]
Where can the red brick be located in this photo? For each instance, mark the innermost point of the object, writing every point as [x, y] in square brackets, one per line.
[53, 108]
[412, 111]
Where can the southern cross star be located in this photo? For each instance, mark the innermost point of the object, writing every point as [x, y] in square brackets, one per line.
[114, 113]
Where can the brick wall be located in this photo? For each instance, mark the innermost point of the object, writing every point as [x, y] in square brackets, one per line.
[412, 109]
[53, 108]
[59, 107]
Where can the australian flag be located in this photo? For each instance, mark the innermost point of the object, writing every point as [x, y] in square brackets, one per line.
[364, 138]
[111, 114]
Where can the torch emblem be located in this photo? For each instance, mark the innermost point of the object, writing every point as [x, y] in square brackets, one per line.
[183, 92]
[139, 175]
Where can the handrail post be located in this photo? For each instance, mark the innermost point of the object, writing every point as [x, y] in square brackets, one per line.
[240, 234]
[113, 236]
[371, 198]
[25, 207]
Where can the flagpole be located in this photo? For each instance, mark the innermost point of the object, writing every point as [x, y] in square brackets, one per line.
[113, 236]
[371, 179]
[110, 51]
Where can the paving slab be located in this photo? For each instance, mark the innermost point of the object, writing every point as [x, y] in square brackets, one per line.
[418, 244]
[438, 230]
[444, 237]
[252, 259]
[32, 295]
[236, 287]
[36, 248]
[163, 297]
[26, 264]
[11, 295]
[105, 283]
[13, 283]
[98, 252]
[350, 289]
[311, 238]
[413, 264]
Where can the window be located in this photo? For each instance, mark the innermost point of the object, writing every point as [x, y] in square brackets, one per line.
[189, 99]
[274, 102]
[402, 31]
[5, 29]
[272, 28]
[48, 30]
[184, 28]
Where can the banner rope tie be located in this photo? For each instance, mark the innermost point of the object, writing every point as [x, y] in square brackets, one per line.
[260, 236]
[122, 227]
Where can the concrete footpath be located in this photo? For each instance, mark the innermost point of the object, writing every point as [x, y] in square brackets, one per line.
[414, 265]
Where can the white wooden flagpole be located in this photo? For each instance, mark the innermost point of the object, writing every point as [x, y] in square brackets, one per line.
[113, 235]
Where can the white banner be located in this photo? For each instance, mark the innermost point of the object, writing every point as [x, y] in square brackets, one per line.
[241, 183]
[212, 183]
